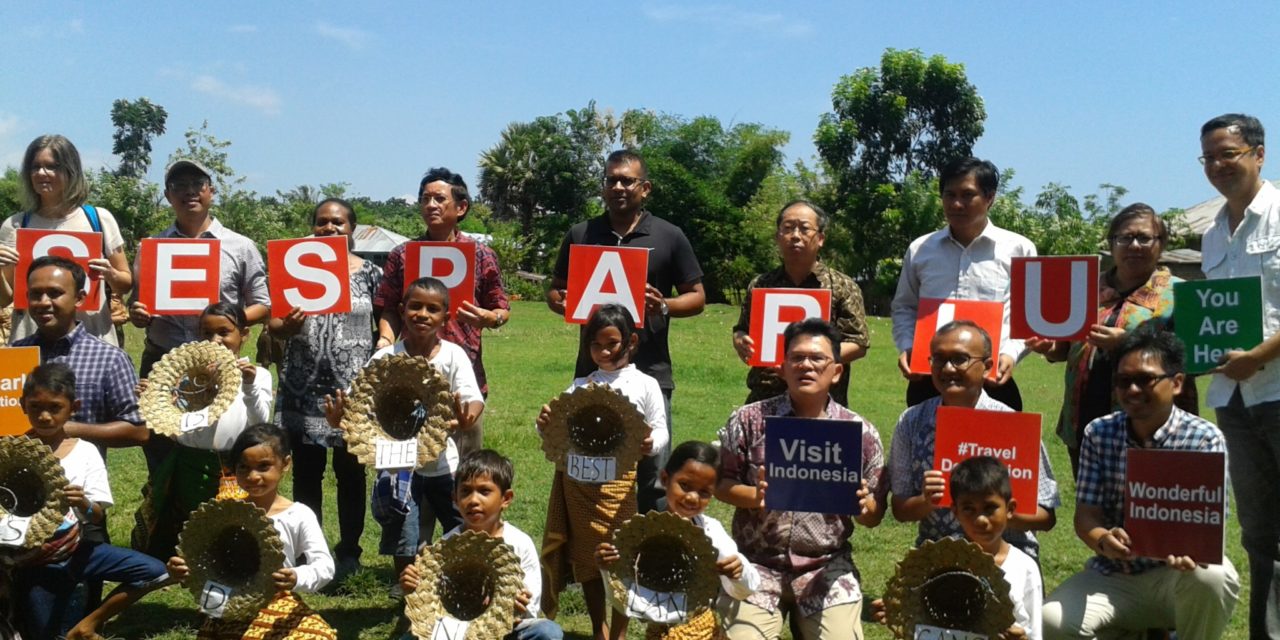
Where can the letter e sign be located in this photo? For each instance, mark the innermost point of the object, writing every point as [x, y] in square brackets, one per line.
[178, 276]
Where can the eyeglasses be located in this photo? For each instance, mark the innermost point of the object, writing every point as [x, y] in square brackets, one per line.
[627, 182]
[804, 230]
[188, 185]
[1128, 239]
[50, 169]
[958, 361]
[1226, 156]
[1144, 381]
[817, 360]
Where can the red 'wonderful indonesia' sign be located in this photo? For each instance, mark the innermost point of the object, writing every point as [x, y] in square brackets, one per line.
[1175, 503]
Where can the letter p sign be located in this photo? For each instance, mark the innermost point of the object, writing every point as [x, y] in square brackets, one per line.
[452, 263]
[1053, 297]
[773, 309]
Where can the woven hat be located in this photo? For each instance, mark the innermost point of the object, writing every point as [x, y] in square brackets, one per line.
[949, 583]
[400, 397]
[594, 420]
[457, 576]
[31, 485]
[232, 543]
[197, 376]
[664, 553]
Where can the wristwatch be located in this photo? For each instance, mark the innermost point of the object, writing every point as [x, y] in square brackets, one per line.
[665, 309]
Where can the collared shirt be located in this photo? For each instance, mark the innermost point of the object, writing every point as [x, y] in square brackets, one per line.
[104, 375]
[1102, 468]
[490, 295]
[808, 551]
[1254, 250]
[671, 264]
[243, 283]
[911, 453]
[938, 266]
[847, 315]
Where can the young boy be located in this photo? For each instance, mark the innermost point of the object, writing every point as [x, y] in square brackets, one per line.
[45, 579]
[482, 492]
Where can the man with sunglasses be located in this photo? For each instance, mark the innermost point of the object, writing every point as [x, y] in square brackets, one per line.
[1245, 241]
[1119, 591]
[672, 267]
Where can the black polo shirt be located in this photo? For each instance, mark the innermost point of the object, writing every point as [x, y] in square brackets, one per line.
[671, 263]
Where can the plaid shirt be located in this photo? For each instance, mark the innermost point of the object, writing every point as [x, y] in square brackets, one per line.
[104, 375]
[810, 552]
[1102, 468]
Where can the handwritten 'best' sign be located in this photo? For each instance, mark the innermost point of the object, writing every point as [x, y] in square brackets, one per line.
[1216, 316]
[1175, 503]
[453, 263]
[309, 273]
[934, 313]
[15, 364]
[772, 310]
[605, 275]
[79, 246]
[1053, 297]
[812, 465]
[178, 276]
[1013, 438]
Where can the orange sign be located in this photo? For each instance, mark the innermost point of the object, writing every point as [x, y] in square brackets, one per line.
[79, 246]
[178, 276]
[453, 263]
[772, 310]
[1013, 438]
[605, 275]
[934, 313]
[15, 364]
[310, 273]
[1053, 297]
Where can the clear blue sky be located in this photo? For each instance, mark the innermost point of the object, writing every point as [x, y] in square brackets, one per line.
[374, 93]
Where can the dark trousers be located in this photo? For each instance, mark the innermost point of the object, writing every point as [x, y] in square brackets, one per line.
[920, 390]
[309, 462]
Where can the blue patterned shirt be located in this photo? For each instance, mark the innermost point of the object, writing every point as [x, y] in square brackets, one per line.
[104, 375]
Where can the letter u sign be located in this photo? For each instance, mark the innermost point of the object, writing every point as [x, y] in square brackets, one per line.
[1054, 297]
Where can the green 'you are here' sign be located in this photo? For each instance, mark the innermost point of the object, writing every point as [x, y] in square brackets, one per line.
[1216, 316]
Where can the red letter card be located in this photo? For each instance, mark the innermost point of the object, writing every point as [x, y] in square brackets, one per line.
[79, 246]
[603, 275]
[1175, 503]
[310, 273]
[453, 263]
[1013, 438]
[1053, 297]
[773, 309]
[15, 364]
[934, 313]
[178, 276]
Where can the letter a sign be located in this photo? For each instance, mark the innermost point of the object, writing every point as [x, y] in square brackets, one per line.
[310, 273]
[773, 309]
[453, 263]
[79, 246]
[603, 275]
[934, 313]
[1053, 297]
[178, 276]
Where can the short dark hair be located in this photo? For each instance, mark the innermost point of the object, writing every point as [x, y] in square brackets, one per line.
[455, 181]
[233, 313]
[261, 434]
[823, 219]
[55, 377]
[984, 172]
[609, 315]
[77, 272]
[1151, 338]
[693, 451]
[351, 212]
[628, 156]
[980, 474]
[816, 327]
[430, 285]
[1138, 210]
[1250, 128]
[956, 325]
[486, 462]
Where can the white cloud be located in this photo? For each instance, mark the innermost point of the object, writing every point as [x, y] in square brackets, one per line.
[349, 37]
[728, 17]
[243, 28]
[264, 99]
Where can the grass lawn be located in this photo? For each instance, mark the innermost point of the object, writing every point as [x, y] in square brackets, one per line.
[529, 362]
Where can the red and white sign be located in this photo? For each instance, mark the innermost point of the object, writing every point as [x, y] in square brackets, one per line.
[310, 273]
[1053, 297]
[453, 263]
[604, 275]
[1011, 437]
[772, 310]
[178, 276]
[934, 313]
[79, 246]
[15, 364]
[1175, 503]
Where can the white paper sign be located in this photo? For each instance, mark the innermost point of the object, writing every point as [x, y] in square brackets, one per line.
[449, 629]
[655, 606]
[213, 599]
[13, 530]
[194, 420]
[592, 470]
[395, 454]
[926, 632]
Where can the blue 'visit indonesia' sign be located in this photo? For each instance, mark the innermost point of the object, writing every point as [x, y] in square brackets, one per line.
[812, 465]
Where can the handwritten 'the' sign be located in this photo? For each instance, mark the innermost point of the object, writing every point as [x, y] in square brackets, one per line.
[1216, 316]
[178, 276]
[1053, 297]
[452, 263]
[605, 275]
[933, 313]
[1011, 437]
[772, 310]
[309, 273]
[79, 246]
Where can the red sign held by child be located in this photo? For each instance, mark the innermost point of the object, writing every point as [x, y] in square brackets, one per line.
[453, 263]
[1011, 437]
[309, 273]
[15, 364]
[178, 276]
[772, 310]
[1053, 297]
[604, 275]
[934, 313]
[79, 246]
[1175, 503]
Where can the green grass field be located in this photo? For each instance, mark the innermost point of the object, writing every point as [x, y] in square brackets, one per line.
[531, 360]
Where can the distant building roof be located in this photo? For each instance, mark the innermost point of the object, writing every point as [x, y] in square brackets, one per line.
[1197, 219]
[371, 239]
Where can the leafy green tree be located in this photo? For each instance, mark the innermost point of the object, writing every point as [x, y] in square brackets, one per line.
[10, 192]
[205, 148]
[135, 203]
[137, 123]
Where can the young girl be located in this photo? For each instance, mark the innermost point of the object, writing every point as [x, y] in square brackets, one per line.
[584, 515]
[189, 472]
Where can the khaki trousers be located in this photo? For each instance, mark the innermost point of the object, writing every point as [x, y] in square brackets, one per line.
[745, 621]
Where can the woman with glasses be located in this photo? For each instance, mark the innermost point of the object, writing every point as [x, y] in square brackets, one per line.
[54, 191]
[1133, 291]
